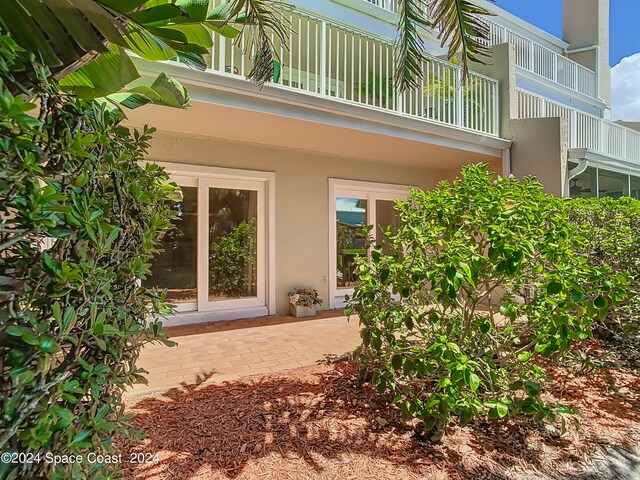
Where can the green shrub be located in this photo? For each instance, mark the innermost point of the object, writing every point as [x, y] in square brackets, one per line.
[233, 260]
[80, 218]
[480, 280]
[612, 232]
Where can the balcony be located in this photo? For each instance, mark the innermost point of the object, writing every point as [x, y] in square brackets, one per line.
[544, 62]
[389, 5]
[326, 59]
[585, 131]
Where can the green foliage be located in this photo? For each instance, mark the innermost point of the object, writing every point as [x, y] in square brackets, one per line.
[80, 220]
[89, 37]
[232, 260]
[481, 279]
[377, 90]
[612, 232]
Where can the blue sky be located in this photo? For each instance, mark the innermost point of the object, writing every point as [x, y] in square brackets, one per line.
[624, 55]
[547, 14]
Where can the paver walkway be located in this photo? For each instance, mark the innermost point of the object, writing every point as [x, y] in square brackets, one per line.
[229, 350]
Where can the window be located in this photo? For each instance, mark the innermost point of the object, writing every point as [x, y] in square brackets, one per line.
[218, 256]
[635, 187]
[612, 184]
[585, 184]
[354, 205]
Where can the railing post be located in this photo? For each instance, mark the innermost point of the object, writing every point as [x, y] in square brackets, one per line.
[601, 137]
[459, 99]
[221, 54]
[323, 59]
[573, 129]
[555, 67]
[531, 54]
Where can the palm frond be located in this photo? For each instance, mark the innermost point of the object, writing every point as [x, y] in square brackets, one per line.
[462, 29]
[409, 46]
[267, 24]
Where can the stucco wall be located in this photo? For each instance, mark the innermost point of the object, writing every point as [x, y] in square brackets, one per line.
[302, 196]
[586, 23]
[540, 149]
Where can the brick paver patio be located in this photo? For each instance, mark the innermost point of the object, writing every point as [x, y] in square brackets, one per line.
[220, 351]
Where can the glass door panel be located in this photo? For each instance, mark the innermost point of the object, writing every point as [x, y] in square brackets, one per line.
[386, 217]
[351, 216]
[233, 248]
[175, 268]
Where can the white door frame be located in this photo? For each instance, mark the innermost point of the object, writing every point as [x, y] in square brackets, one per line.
[204, 303]
[369, 191]
[260, 181]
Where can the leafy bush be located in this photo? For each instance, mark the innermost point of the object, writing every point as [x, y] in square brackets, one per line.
[612, 230]
[232, 260]
[480, 280]
[80, 218]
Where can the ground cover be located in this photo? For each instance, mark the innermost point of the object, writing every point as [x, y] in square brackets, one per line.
[317, 423]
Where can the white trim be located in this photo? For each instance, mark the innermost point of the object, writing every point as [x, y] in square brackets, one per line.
[189, 318]
[563, 89]
[205, 177]
[502, 16]
[369, 191]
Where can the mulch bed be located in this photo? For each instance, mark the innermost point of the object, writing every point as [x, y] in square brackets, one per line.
[316, 423]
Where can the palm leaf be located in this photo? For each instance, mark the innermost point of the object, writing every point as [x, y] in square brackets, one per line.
[104, 75]
[268, 23]
[462, 29]
[163, 91]
[410, 47]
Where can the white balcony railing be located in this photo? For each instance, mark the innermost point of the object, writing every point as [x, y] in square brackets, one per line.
[326, 59]
[585, 131]
[545, 62]
[389, 5]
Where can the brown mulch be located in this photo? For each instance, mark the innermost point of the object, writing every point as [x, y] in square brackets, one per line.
[316, 423]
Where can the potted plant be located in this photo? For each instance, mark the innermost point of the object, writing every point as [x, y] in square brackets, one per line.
[302, 302]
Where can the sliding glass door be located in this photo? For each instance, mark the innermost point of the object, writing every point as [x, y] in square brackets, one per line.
[232, 247]
[353, 206]
[215, 257]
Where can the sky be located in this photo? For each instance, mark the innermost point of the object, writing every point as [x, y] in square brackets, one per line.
[624, 45]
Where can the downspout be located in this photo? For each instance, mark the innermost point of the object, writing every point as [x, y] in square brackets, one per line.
[573, 173]
[506, 162]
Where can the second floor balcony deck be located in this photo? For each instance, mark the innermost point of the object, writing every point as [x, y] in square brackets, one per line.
[586, 131]
[324, 58]
[544, 62]
[531, 55]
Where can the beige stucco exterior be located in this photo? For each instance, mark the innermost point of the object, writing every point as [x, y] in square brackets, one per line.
[585, 24]
[301, 199]
[540, 149]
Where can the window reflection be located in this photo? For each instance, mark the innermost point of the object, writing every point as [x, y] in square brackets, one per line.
[351, 216]
[175, 269]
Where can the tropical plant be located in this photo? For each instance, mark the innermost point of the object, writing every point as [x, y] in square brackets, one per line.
[612, 231]
[460, 26]
[80, 220]
[376, 90]
[481, 279]
[445, 88]
[232, 260]
[72, 34]
[86, 43]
